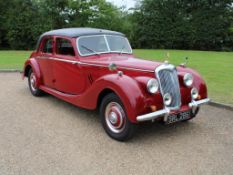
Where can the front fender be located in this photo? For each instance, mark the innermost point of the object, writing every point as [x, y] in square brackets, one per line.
[200, 84]
[127, 89]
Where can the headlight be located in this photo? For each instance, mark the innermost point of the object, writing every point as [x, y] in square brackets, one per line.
[152, 86]
[167, 99]
[194, 93]
[188, 79]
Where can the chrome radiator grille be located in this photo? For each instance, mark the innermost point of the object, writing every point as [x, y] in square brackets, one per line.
[169, 83]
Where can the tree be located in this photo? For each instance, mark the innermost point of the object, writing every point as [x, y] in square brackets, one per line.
[23, 24]
[183, 24]
[4, 7]
[54, 12]
[174, 24]
[96, 13]
[28, 19]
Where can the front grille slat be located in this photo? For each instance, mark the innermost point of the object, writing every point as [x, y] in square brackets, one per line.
[169, 84]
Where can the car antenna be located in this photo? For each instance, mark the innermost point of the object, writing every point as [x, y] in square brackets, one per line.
[167, 58]
[185, 62]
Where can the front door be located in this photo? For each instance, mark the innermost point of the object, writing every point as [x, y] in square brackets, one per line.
[68, 77]
[45, 53]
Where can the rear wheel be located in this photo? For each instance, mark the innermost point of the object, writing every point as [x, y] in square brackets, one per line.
[114, 118]
[32, 83]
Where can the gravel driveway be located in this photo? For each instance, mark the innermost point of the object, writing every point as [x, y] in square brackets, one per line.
[48, 136]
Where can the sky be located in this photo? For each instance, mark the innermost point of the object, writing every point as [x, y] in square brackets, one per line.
[127, 3]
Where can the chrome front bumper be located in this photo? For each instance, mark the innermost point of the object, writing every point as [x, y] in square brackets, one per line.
[166, 111]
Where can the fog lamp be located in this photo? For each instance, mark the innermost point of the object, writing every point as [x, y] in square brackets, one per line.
[194, 93]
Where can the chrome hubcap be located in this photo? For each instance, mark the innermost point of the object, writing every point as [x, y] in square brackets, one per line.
[115, 117]
[33, 82]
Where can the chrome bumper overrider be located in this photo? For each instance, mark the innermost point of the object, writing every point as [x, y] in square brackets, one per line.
[166, 111]
[199, 102]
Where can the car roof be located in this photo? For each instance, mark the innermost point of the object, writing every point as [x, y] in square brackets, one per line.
[76, 32]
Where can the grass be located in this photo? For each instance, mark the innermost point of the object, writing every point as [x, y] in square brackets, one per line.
[13, 59]
[215, 67]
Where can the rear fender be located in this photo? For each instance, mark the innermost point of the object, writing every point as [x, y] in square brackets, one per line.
[32, 62]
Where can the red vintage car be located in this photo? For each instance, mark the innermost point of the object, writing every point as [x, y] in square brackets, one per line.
[95, 68]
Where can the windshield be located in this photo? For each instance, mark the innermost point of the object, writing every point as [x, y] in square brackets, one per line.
[97, 44]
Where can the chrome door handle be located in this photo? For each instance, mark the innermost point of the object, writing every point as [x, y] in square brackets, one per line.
[75, 63]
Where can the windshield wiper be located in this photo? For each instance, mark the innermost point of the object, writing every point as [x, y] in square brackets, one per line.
[122, 49]
[90, 50]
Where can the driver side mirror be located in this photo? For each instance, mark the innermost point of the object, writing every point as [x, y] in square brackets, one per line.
[112, 67]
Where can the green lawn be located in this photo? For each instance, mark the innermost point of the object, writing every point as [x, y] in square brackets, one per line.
[13, 59]
[215, 67]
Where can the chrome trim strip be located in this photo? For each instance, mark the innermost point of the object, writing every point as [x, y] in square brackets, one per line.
[63, 60]
[126, 68]
[59, 59]
[198, 103]
[153, 115]
[91, 64]
[141, 70]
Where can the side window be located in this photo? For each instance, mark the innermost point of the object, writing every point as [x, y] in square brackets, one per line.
[64, 47]
[48, 45]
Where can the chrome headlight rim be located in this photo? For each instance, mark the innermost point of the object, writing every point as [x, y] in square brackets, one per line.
[167, 98]
[194, 93]
[152, 86]
[188, 79]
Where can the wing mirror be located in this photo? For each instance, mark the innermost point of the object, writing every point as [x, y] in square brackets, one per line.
[112, 67]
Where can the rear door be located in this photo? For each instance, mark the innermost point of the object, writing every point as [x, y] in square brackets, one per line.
[46, 52]
[68, 76]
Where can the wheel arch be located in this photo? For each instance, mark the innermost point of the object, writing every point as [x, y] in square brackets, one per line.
[26, 70]
[33, 64]
[102, 94]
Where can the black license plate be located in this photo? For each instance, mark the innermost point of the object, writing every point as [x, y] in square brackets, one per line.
[173, 118]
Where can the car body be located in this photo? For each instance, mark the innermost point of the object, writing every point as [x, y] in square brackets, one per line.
[95, 68]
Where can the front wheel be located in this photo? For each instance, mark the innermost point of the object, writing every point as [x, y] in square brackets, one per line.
[114, 118]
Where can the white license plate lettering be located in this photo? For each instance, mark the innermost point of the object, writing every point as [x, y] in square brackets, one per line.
[178, 117]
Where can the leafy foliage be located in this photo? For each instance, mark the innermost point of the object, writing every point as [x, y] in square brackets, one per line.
[185, 24]
[173, 24]
[25, 20]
